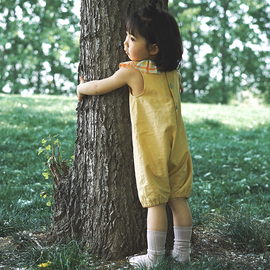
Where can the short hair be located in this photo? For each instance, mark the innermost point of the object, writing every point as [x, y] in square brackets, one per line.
[160, 28]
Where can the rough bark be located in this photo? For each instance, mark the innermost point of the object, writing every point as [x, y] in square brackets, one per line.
[96, 201]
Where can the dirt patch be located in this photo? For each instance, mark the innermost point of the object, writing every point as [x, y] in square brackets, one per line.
[5, 242]
[209, 243]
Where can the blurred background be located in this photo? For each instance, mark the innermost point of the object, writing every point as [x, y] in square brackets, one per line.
[226, 56]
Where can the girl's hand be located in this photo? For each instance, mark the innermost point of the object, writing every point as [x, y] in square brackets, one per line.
[181, 88]
[79, 95]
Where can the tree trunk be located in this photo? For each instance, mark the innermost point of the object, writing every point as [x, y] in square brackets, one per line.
[96, 201]
[193, 63]
[224, 49]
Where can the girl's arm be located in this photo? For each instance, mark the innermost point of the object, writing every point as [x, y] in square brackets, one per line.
[99, 87]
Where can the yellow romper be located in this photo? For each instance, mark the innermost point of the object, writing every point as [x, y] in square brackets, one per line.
[163, 165]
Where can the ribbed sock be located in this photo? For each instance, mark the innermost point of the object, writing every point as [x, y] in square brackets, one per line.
[181, 247]
[156, 249]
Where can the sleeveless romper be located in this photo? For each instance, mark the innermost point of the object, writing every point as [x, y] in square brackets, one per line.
[163, 165]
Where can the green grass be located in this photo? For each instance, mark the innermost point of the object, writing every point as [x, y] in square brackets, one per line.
[24, 123]
[245, 230]
[230, 146]
[230, 149]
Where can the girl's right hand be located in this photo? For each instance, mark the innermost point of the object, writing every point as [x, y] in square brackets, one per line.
[79, 95]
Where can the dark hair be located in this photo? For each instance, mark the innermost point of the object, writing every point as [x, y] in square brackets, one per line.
[158, 27]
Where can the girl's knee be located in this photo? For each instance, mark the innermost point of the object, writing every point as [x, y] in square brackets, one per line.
[175, 202]
[159, 206]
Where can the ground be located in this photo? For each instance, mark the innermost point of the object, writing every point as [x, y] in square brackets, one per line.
[205, 242]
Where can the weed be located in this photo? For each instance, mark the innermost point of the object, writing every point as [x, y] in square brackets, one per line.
[56, 165]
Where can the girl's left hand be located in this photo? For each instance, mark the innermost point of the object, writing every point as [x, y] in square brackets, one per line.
[181, 88]
[79, 95]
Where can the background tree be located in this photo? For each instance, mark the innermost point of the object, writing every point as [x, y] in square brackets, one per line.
[260, 12]
[187, 14]
[37, 44]
[96, 200]
[225, 47]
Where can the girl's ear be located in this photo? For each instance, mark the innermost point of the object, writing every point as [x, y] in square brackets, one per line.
[154, 49]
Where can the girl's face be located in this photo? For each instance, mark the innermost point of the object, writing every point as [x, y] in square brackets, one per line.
[136, 47]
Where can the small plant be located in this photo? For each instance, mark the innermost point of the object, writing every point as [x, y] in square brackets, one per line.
[56, 166]
[47, 194]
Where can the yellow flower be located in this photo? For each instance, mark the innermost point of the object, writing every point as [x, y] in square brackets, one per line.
[44, 265]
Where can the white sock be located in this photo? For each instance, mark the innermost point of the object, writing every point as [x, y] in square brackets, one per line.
[181, 247]
[156, 249]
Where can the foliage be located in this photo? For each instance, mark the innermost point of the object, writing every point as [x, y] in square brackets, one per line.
[226, 47]
[230, 151]
[38, 46]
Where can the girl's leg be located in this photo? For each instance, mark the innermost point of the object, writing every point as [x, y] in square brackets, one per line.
[182, 229]
[156, 236]
[181, 212]
[157, 218]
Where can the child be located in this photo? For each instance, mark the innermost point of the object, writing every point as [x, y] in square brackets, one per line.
[163, 165]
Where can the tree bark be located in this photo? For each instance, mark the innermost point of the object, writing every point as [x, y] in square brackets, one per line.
[96, 201]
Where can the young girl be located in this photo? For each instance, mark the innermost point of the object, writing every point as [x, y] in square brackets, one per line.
[163, 165]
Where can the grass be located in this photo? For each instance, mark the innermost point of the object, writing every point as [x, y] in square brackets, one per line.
[245, 230]
[203, 264]
[24, 123]
[230, 147]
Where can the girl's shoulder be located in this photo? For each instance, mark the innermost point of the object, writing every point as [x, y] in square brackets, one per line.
[144, 66]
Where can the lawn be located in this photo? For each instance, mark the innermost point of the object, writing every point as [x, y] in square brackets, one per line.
[230, 147]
